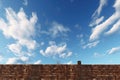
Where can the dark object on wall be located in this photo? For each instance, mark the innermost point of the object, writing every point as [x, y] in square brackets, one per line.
[60, 72]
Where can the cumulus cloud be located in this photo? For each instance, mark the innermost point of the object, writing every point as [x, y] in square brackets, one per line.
[12, 60]
[114, 50]
[102, 28]
[24, 58]
[15, 60]
[30, 44]
[20, 28]
[91, 44]
[53, 50]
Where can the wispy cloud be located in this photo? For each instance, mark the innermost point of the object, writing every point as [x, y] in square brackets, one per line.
[56, 30]
[70, 62]
[113, 50]
[38, 62]
[114, 29]
[91, 44]
[54, 50]
[77, 26]
[96, 20]
[101, 29]
[99, 9]
[15, 48]
[97, 55]
[79, 36]
[65, 55]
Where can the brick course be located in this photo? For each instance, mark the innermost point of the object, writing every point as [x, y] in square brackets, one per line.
[60, 72]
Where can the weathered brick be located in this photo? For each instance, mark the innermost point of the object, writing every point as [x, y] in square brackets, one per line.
[60, 72]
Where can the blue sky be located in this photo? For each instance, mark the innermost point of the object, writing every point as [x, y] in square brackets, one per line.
[59, 31]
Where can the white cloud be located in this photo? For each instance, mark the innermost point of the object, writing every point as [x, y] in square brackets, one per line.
[99, 9]
[15, 48]
[20, 28]
[96, 20]
[96, 55]
[69, 54]
[78, 26]
[15, 60]
[38, 62]
[70, 62]
[64, 55]
[24, 59]
[25, 2]
[82, 42]
[53, 50]
[100, 29]
[91, 44]
[12, 61]
[99, 20]
[114, 50]
[30, 44]
[114, 29]
[42, 43]
[58, 29]
[80, 36]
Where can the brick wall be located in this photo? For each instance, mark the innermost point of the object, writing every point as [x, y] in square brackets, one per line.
[60, 72]
[100, 72]
[39, 72]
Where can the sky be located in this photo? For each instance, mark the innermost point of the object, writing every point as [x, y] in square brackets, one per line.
[59, 31]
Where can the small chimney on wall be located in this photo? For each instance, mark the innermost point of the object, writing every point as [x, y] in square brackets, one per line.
[79, 62]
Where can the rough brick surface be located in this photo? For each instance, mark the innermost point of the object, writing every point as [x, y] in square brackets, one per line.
[100, 72]
[60, 72]
[39, 72]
